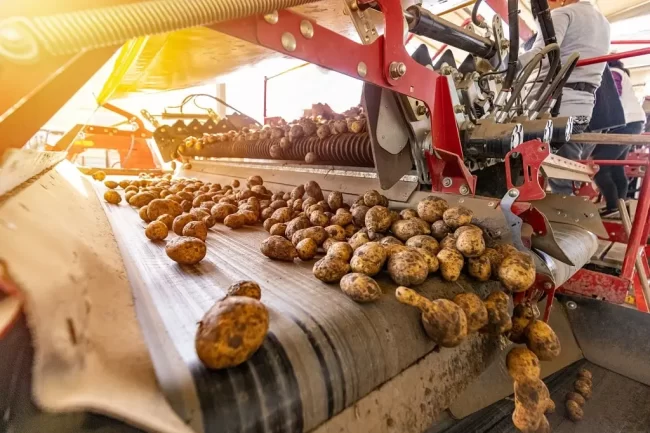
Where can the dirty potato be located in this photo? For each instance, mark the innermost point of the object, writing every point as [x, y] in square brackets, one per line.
[495, 259]
[112, 197]
[99, 176]
[517, 272]
[250, 289]
[406, 229]
[221, 210]
[522, 364]
[518, 332]
[371, 198]
[429, 257]
[235, 221]
[318, 218]
[336, 232]
[479, 268]
[574, 411]
[316, 233]
[431, 209]
[307, 249]
[335, 200]
[231, 332]
[186, 250]
[110, 184]
[468, 227]
[439, 230]
[342, 217]
[161, 206]
[296, 224]
[525, 420]
[455, 217]
[378, 219]
[156, 231]
[330, 269]
[199, 213]
[542, 340]
[268, 223]
[358, 239]
[359, 215]
[583, 388]
[360, 288]
[368, 258]
[278, 229]
[196, 229]
[425, 242]
[312, 189]
[278, 248]
[180, 222]
[408, 268]
[583, 373]
[475, 311]
[499, 320]
[451, 263]
[448, 242]
[406, 214]
[578, 398]
[532, 394]
[505, 249]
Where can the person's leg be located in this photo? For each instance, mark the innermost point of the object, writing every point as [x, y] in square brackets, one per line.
[572, 151]
[604, 178]
[618, 172]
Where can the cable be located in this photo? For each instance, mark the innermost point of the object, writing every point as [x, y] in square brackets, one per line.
[549, 76]
[191, 97]
[475, 19]
[555, 89]
[513, 53]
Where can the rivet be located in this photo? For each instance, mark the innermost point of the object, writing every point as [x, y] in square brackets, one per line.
[288, 41]
[362, 69]
[272, 18]
[306, 29]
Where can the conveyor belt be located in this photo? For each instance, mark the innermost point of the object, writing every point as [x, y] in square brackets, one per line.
[323, 352]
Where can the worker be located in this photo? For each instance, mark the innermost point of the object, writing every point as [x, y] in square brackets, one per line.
[611, 179]
[579, 27]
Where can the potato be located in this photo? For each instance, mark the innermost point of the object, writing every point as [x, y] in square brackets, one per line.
[425, 242]
[111, 184]
[444, 322]
[278, 248]
[206, 205]
[350, 230]
[583, 388]
[186, 250]
[296, 224]
[368, 259]
[358, 239]
[407, 268]
[439, 230]
[574, 411]
[390, 240]
[360, 288]
[522, 364]
[408, 214]
[479, 268]
[499, 320]
[518, 331]
[330, 269]
[431, 259]
[406, 229]
[468, 227]
[277, 204]
[576, 397]
[517, 272]
[448, 242]
[278, 229]
[180, 222]
[475, 311]
[526, 421]
[156, 230]
[431, 209]
[340, 250]
[309, 201]
[161, 206]
[335, 200]
[371, 198]
[196, 229]
[128, 195]
[307, 249]
[124, 184]
[499, 298]
[209, 221]
[359, 215]
[583, 373]
[495, 259]
[505, 249]
[283, 214]
[199, 214]
[298, 192]
[342, 217]
[112, 197]
[378, 219]
[99, 176]
[531, 394]
[250, 289]
[231, 332]
[455, 217]
[312, 189]
[451, 263]
[541, 339]
[166, 219]
[336, 232]
[316, 233]
[186, 205]
[318, 218]
[235, 221]
[268, 223]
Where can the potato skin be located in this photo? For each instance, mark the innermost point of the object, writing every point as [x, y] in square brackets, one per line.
[340, 250]
[408, 268]
[532, 394]
[518, 332]
[316, 233]
[342, 217]
[161, 206]
[479, 268]
[110, 184]
[278, 229]
[584, 373]
[330, 269]
[525, 420]
[336, 232]
[431, 209]
[221, 210]
[235, 221]
[425, 242]
[231, 332]
[358, 239]
[141, 199]
[335, 200]
[249, 289]
[448, 242]
[360, 288]
[307, 249]
[474, 309]
[406, 229]
[371, 198]
[499, 320]
[439, 230]
[470, 243]
[156, 231]
[378, 219]
[517, 272]
[112, 197]
[408, 214]
[278, 248]
[455, 217]
[196, 229]
[542, 341]
[359, 215]
[180, 222]
[578, 398]
[574, 411]
[451, 263]
[522, 364]
[186, 250]
[583, 388]
[505, 249]
[296, 224]
[368, 259]
[495, 259]
[445, 323]
[167, 219]
[431, 259]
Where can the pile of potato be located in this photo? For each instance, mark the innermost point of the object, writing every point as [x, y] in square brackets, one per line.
[575, 401]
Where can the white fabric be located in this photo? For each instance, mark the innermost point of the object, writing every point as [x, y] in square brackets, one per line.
[631, 105]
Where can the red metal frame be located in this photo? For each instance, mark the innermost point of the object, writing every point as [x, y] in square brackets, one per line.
[532, 154]
[615, 56]
[631, 42]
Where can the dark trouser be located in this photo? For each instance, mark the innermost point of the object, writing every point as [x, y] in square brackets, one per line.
[611, 179]
[574, 152]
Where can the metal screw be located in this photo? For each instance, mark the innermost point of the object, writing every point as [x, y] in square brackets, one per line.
[446, 182]
[306, 29]
[464, 189]
[513, 193]
[571, 305]
[362, 69]
[490, 204]
[396, 70]
[446, 70]
[288, 41]
[459, 109]
[505, 44]
[548, 286]
[421, 110]
[272, 18]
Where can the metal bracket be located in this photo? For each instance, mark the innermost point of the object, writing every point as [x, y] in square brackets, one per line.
[514, 222]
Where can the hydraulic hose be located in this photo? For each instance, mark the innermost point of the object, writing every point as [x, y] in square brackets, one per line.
[475, 19]
[555, 89]
[513, 54]
[542, 13]
[549, 76]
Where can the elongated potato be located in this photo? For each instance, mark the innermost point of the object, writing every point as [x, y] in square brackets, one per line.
[431, 209]
[495, 259]
[336, 232]
[522, 364]
[578, 398]
[518, 332]
[159, 207]
[505, 249]
[475, 311]
[278, 229]
[235, 221]
[360, 288]
[221, 210]
[407, 268]
[525, 420]
[532, 394]
[342, 217]
[455, 217]
[335, 200]
[113, 197]
[499, 320]
[408, 213]
[231, 332]
[583, 387]
[425, 242]
[517, 272]
[479, 268]
[330, 269]
[451, 263]
[296, 224]
[278, 248]
[542, 340]
[186, 250]
[574, 411]
[111, 184]
[166, 219]
[359, 215]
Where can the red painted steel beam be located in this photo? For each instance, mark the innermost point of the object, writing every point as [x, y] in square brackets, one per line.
[631, 42]
[638, 229]
[501, 9]
[614, 56]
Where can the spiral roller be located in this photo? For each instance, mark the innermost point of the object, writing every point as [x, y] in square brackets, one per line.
[342, 149]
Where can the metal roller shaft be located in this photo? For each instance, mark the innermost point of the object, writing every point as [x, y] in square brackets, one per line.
[342, 149]
[70, 33]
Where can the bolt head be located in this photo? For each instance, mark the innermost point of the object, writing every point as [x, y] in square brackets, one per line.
[571, 305]
[446, 182]
[548, 286]
[464, 189]
[272, 17]
[513, 193]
